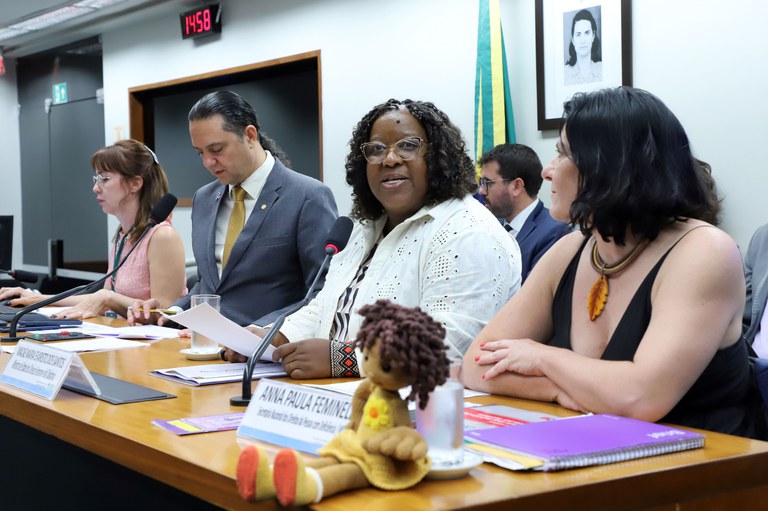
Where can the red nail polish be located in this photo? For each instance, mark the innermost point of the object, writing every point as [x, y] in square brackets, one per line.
[482, 344]
[477, 358]
[483, 376]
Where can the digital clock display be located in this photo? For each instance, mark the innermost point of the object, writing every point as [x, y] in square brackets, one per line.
[201, 22]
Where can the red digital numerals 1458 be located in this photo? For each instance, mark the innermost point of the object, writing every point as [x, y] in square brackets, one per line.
[198, 22]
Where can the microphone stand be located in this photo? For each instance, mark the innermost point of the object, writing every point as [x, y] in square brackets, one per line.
[247, 393]
[74, 291]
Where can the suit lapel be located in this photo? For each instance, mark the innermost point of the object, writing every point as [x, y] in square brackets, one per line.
[211, 211]
[530, 223]
[760, 298]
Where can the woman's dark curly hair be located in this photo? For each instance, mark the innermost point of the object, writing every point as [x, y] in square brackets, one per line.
[410, 341]
[449, 169]
[635, 164]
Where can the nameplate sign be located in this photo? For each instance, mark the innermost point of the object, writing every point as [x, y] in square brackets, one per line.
[42, 370]
[295, 416]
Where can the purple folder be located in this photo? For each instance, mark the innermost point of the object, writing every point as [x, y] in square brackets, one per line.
[587, 440]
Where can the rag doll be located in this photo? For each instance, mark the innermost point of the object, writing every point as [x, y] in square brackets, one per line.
[401, 346]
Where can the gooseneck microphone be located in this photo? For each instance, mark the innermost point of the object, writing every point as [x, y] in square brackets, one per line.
[21, 275]
[337, 240]
[159, 213]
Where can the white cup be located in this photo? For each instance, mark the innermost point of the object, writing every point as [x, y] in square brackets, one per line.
[201, 343]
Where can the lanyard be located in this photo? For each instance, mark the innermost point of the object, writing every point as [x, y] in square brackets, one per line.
[119, 244]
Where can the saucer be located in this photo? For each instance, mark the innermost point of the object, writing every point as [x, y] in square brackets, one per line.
[193, 355]
[470, 461]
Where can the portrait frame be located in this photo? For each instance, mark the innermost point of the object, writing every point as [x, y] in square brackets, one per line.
[559, 74]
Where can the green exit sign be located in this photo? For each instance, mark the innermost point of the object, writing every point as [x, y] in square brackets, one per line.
[60, 93]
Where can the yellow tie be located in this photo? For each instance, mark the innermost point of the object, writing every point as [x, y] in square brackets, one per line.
[236, 222]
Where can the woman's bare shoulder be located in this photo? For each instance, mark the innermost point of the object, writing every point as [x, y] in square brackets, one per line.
[165, 233]
[695, 235]
[699, 247]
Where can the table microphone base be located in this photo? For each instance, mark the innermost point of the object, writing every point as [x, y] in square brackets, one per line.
[239, 401]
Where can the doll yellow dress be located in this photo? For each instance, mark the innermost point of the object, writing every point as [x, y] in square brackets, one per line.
[381, 471]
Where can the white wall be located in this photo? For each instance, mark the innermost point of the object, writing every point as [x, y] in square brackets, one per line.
[703, 59]
[370, 51]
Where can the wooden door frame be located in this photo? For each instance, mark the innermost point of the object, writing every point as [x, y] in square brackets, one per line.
[141, 98]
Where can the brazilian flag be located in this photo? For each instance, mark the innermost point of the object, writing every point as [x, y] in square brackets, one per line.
[494, 123]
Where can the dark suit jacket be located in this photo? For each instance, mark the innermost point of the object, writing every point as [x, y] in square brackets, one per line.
[540, 231]
[276, 256]
[756, 274]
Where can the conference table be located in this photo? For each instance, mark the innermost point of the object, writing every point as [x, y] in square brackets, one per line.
[77, 452]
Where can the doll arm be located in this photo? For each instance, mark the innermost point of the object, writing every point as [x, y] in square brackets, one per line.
[402, 442]
[358, 403]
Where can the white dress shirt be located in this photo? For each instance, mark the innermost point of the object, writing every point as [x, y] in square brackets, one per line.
[252, 185]
[517, 223]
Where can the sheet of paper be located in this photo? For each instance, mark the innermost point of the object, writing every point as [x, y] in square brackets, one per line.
[349, 388]
[192, 425]
[128, 332]
[98, 344]
[209, 322]
[47, 311]
[209, 374]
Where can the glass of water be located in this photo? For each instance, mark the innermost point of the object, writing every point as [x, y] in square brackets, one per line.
[441, 423]
[200, 343]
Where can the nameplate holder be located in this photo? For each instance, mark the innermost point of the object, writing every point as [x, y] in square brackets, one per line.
[289, 415]
[41, 370]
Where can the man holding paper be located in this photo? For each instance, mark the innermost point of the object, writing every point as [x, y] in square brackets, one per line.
[258, 232]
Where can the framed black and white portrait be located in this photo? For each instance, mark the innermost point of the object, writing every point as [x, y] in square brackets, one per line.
[581, 45]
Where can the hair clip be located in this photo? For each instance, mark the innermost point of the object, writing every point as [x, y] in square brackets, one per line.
[154, 156]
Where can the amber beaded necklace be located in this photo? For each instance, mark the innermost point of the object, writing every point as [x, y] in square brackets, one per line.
[598, 294]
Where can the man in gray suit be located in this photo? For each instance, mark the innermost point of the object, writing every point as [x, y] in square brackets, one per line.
[755, 321]
[259, 230]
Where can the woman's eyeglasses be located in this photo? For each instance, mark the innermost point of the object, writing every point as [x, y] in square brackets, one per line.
[406, 149]
[99, 180]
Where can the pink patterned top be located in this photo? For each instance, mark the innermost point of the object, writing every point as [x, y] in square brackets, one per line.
[132, 279]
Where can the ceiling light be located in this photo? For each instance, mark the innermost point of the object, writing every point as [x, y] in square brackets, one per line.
[54, 17]
[97, 4]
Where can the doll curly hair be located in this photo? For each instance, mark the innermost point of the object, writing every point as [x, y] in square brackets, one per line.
[411, 341]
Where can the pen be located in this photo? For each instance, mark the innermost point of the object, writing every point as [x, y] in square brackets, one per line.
[169, 312]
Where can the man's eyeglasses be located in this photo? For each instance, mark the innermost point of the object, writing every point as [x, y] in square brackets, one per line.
[99, 180]
[486, 183]
[406, 149]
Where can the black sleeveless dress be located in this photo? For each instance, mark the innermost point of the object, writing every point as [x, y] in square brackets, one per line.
[724, 398]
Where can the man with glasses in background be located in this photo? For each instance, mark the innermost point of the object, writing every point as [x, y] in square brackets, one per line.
[510, 182]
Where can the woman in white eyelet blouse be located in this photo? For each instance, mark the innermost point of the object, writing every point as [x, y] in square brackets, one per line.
[420, 240]
[454, 260]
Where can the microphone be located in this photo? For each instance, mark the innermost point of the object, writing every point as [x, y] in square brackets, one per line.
[337, 240]
[159, 213]
[21, 275]
[162, 210]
